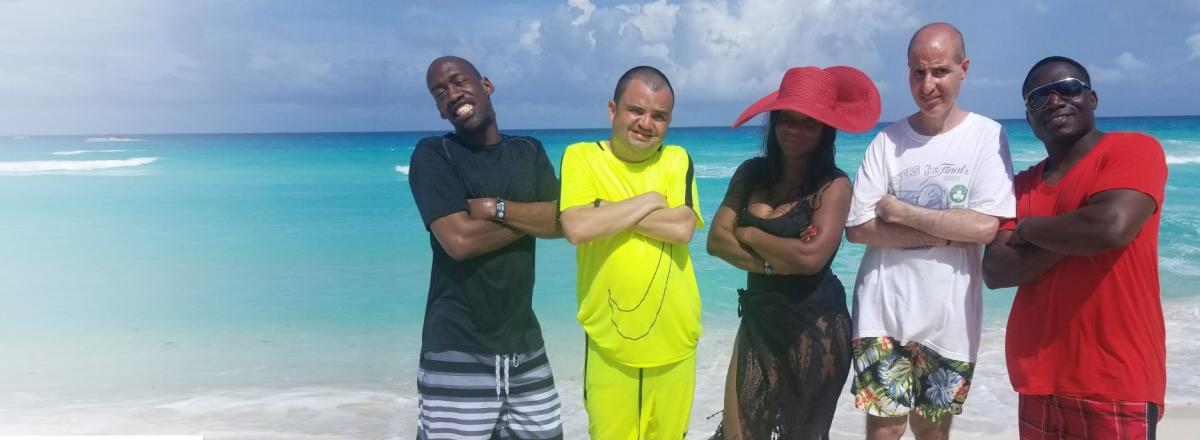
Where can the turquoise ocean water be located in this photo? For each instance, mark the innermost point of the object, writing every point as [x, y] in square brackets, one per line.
[273, 285]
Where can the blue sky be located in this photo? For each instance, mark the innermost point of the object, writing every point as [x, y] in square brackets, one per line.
[79, 67]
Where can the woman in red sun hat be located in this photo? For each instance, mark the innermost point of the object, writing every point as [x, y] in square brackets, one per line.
[781, 221]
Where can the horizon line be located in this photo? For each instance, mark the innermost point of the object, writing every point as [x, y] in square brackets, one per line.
[124, 134]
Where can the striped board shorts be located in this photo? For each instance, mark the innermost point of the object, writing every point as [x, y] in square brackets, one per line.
[1056, 417]
[483, 396]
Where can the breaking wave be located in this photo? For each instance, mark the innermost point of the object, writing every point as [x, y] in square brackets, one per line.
[51, 166]
[74, 152]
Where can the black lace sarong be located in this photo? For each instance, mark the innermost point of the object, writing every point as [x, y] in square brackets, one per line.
[793, 357]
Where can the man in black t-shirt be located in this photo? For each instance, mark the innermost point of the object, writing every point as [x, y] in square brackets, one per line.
[483, 196]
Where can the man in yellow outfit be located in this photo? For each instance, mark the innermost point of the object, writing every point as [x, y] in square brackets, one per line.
[630, 205]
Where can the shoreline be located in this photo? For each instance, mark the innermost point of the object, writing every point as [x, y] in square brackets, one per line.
[354, 409]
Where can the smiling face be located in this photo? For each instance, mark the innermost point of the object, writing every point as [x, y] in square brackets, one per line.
[462, 96]
[639, 120]
[935, 75]
[1062, 121]
[798, 135]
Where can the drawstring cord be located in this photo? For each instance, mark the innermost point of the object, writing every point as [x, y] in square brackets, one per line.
[500, 359]
[503, 362]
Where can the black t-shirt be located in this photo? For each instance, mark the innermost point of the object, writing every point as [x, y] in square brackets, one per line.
[482, 304]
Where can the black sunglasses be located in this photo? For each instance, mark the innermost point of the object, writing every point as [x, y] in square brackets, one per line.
[1066, 88]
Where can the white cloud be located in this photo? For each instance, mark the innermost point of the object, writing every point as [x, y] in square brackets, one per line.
[529, 39]
[1127, 68]
[234, 56]
[1194, 43]
[655, 21]
[585, 8]
[1105, 75]
[48, 47]
[656, 50]
[734, 50]
[1128, 62]
[712, 50]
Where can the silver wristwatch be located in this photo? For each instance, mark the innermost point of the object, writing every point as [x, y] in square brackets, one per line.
[499, 210]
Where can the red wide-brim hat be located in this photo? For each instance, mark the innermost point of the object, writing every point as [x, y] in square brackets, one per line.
[840, 96]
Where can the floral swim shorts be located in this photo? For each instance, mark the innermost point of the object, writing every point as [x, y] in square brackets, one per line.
[890, 380]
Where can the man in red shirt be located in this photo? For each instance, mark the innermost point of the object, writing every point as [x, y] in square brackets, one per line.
[1086, 344]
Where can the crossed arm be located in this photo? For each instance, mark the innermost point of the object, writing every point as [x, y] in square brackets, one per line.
[646, 214]
[748, 247]
[899, 224]
[468, 234]
[1110, 221]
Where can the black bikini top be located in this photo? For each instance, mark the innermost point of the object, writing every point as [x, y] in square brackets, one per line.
[790, 225]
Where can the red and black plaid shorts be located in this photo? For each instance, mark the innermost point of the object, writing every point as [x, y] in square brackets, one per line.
[1060, 417]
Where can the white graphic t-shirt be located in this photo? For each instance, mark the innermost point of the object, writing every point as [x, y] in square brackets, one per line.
[930, 295]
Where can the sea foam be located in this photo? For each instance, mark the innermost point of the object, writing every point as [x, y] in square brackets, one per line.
[705, 171]
[75, 152]
[1180, 266]
[112, 139]
[50, 166]
[1180, 143]
[1182, 160]
[402, 169]
[250, 413]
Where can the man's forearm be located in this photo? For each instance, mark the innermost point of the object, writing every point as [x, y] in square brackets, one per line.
[1008, 265]
[725, 246]
[582, 224]
[876, 232]
[463, 237]
[1090, 230]
[1063, 234]
[539, 219]
[963, 225]
[672, 225]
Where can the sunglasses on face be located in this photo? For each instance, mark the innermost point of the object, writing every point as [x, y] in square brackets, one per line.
[1066, 88]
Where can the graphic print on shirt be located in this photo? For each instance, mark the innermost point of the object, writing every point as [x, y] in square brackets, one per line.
[958, 194]
[940, 186]
[929, 195]
[667, 250]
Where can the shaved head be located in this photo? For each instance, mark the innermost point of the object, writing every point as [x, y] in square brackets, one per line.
[938, 35]
[653, 78]
[452, 59]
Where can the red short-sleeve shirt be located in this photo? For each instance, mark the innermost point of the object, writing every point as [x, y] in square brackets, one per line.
[1092, 326]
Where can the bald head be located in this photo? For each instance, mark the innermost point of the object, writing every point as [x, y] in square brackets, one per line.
[437, 63]
[938, 35]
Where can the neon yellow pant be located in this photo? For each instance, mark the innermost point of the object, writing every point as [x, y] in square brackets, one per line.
[629, 403]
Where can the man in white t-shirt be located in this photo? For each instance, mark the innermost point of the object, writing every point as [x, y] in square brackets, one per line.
[929, 193]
